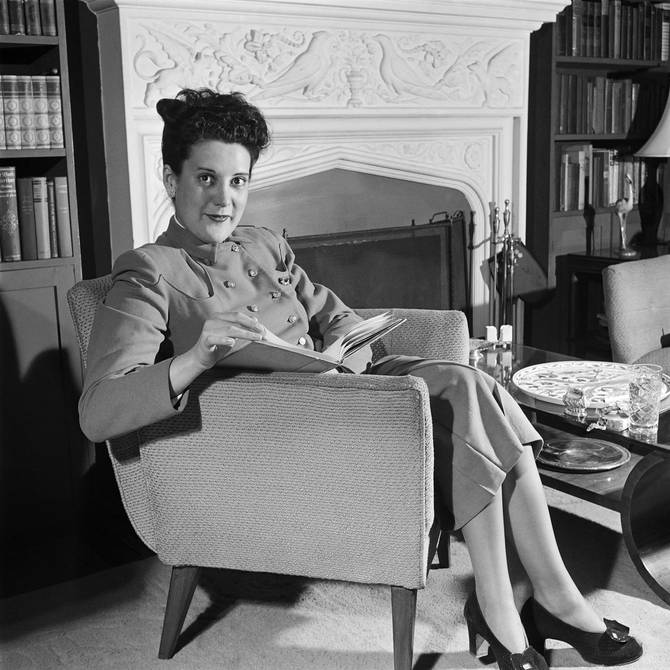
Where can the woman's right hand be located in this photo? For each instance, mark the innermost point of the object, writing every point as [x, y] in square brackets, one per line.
[217, 338]
[219, 334]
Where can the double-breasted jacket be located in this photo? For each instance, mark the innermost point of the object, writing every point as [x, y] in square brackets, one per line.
[162, 294]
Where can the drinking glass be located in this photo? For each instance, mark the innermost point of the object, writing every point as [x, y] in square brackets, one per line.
[574, 401]
[645, 390]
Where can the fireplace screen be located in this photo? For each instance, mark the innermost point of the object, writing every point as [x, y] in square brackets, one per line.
[423, 266]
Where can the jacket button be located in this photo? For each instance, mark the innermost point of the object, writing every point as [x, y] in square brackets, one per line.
[275, 295]
[293, 318]
[252, 308]
[284, 280]
[234, 247]
[302, 341]
[229, 283]
[252, 273]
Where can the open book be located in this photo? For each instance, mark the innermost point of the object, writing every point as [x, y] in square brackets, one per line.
[273, 353]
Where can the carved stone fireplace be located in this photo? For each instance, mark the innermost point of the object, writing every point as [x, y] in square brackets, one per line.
[429, 91]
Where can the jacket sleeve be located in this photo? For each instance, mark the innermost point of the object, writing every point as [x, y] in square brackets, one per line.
[329, 317]
[127, 373]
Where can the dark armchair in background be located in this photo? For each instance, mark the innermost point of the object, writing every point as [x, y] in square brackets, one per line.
[323, 476]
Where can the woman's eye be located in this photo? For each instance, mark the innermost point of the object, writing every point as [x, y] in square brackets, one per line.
[206, 178]
[239, 181]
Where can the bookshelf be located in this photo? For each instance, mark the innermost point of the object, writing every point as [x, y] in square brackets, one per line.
[43, 454]
[598, 82]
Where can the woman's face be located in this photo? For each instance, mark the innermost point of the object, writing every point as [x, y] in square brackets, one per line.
[211, 192]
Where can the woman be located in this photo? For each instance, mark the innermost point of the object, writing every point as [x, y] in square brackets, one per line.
[209, 284]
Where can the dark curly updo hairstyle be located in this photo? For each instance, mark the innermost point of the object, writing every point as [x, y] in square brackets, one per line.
[197, 115]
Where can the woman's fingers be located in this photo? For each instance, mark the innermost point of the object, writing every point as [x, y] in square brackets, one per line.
[223, 329]
[240, 319]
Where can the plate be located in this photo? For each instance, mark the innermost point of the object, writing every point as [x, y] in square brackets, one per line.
[583, 454]
[607, 382]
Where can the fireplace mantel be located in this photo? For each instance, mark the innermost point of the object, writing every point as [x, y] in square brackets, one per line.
[433, 91]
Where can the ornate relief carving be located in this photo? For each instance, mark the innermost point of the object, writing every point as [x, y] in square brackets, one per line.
[335, 68]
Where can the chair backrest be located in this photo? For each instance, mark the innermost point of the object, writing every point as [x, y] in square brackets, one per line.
[637, 305]
[83, 299]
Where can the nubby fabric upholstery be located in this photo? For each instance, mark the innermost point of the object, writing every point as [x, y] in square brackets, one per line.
[323, 476]
[637, 306]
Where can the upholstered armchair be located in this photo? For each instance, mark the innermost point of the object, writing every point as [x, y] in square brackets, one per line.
[322, 476]
[637, 306]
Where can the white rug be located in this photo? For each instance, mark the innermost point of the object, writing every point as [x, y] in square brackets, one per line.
[239, 621]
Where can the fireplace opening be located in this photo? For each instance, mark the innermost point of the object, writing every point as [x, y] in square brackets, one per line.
[377, 241]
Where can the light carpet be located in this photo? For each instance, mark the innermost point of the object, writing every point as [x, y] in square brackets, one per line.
[240, 621]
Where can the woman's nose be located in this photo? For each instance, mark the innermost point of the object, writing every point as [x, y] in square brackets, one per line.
[224, 196]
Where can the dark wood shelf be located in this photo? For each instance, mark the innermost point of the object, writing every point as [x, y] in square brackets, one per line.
[45, 462]
[596, 138]
[13, 41]
[551, 233]
[20, 154]
[607, 64]
[39, 264]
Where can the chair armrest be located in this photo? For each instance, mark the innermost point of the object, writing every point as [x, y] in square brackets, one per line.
[327, 476]
[430, 333]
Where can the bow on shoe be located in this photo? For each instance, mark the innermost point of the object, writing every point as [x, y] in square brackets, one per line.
[617, 631]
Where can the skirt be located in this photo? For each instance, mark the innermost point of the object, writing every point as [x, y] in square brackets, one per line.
[479, 432]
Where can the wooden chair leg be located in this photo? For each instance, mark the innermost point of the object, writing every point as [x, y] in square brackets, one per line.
[444, 550]
[403, 612]
[182, 585]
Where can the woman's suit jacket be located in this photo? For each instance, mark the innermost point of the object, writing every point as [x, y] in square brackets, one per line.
[162, 294]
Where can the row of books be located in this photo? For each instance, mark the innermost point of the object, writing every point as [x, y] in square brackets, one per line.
[597, 177]
[595, 104]
[28, 17]
[31, 113]
[614, 29]
[34, 217]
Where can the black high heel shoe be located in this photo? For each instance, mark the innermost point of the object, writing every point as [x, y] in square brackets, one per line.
[479, 631]
[613, 647]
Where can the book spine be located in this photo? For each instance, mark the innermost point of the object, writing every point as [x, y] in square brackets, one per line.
[10, 240]
[3, 141]
[577, 35]
[4, 17]
[33, 22]
[566, 45]
[26, 114]
[10, 101]
[604, 28]
[24, 188]
[51, 211]
[41, 209]
[41, 111]
[63, 217]
[615, 12]
[17, 19]
[48, 17]
[55, 111]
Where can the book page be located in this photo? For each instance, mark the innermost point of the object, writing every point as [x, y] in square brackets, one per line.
[362, 334]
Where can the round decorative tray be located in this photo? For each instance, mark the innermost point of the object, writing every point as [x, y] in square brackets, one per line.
[607, 382]
[583, 454]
